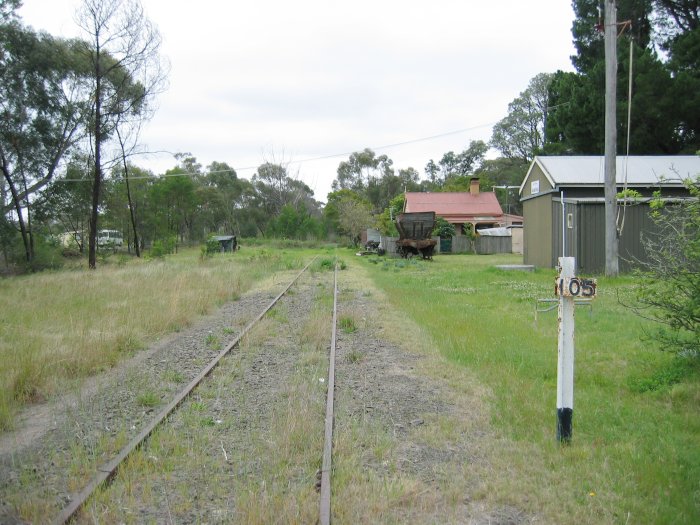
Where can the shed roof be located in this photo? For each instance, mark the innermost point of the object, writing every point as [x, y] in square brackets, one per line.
[453, 206]
[646, 170]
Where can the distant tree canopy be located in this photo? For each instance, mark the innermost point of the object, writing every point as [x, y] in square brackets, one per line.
[454, 166]
[52, 133]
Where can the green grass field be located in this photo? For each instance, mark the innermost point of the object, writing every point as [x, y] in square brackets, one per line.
[635, 455]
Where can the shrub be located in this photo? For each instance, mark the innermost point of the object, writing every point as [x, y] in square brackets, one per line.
[163, 247]
[669, 292]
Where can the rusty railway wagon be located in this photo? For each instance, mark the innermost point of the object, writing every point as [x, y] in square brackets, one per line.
[415, 231]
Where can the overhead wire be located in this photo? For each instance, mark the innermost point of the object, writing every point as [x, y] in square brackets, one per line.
[627, 145]
[300, 161]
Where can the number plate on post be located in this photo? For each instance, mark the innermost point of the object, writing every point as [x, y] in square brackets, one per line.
[575, 287]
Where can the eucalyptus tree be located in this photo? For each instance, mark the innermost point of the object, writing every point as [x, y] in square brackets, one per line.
[361, 168]
[42, 113]
[225, 197]
[456, 165]
[66, 201]
[122, 47]
[274, 188]
[521, 134]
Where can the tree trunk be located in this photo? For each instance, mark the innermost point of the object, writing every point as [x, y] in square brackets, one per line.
[132, 213]
[20, 219]
[92, 244]
[131, 204]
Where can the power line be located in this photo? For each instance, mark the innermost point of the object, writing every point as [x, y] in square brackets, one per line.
[300, 161]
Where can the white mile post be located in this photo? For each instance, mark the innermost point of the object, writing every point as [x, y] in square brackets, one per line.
[565, 366]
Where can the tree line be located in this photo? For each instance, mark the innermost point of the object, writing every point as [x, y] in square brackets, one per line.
[72, 111]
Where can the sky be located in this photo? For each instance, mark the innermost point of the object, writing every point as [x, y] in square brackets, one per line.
[308, 82]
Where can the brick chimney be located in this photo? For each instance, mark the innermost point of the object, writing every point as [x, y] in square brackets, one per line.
[474, 186]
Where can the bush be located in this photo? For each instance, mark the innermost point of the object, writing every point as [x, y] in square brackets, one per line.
[669, 292]
[47, 256]
[444, 229]
[163, 247]
[211, 246]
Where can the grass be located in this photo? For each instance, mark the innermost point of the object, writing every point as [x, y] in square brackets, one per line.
[634, 456]
[267, 473]
[59, 327]
[347, 324]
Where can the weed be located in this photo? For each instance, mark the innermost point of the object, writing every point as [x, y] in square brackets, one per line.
[212, 341]
[207, 422]
[347, 325]
[173, 376]
[197, 406]
[355, 356]
[148, 399]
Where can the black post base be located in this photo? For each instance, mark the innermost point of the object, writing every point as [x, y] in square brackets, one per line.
[564, 424]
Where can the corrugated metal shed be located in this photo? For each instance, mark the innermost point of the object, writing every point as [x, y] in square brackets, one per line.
[646, 170]
[581, 179]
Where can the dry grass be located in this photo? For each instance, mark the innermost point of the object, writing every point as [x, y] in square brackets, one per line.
[368, 484]
[57, 327]
[236, 451]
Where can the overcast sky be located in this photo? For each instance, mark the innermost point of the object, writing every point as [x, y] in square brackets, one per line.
[296, 80]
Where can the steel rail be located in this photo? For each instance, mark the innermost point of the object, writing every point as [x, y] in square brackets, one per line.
[325, 504]
[109, 469]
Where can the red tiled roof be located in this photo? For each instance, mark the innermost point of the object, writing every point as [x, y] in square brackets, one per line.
[455, 207]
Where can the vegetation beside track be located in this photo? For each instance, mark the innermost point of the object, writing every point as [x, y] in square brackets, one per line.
[59, 327]
[634, 456]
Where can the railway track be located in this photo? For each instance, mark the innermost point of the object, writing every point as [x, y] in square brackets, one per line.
[243, 442]
[108, 470]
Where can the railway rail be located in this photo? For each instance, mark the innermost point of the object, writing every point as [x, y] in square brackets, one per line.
[107, 471]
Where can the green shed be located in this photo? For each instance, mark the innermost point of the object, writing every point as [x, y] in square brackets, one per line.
[577, 184]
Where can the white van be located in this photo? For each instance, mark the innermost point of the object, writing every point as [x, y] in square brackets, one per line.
[109, 238]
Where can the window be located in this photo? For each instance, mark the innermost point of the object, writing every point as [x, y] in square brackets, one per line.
[570, 221]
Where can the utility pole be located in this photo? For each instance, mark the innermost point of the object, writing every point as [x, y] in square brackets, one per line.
[611, 240]
[507, 188]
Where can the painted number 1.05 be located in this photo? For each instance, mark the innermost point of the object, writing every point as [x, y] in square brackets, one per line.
[575, 287]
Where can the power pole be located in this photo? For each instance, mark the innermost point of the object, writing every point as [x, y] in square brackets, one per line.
[611, 240]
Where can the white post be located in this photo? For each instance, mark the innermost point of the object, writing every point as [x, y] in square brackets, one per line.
[565, 365]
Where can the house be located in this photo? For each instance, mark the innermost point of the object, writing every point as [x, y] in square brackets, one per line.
[578, 230]
[480, 209]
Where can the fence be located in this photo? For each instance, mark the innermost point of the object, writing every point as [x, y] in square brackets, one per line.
[461, 244]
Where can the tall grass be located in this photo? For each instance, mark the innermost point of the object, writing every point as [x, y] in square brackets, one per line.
[60, 326]
[635, 455]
